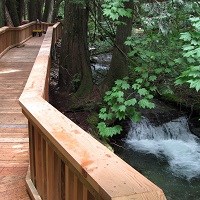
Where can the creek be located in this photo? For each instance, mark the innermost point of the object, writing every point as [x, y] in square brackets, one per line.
[168, 154]
[161, 146]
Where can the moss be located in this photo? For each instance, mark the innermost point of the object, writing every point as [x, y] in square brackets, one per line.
[93, 119]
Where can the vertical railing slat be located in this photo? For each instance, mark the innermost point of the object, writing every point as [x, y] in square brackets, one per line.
[57, 177]
[38, 161]
[50, 172]
[44, 170]
[32, 152]
[85, 193]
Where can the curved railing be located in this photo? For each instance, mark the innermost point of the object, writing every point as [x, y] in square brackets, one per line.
[65, 161]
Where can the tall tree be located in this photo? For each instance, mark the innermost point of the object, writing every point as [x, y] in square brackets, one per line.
[119, 62]
[39, 6]
[75, 63]
[2, 11]
[20, 9]
[48, 11]
[12, 8]
[32, 13]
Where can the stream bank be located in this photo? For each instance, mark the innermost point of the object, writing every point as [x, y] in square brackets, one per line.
[156, 167]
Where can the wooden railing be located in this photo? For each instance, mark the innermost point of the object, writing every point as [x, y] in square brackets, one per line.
[65, 161]
[13, 36]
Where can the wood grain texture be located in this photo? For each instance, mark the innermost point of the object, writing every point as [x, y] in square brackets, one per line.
[15, 67]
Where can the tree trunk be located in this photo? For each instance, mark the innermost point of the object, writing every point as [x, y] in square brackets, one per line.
[48, 11]
[39, 5]
[50, 15]
[2, 12]
[20, 9]
[119, 62]
[75, 73]
[12, 8]
[32, 14]
[8, 18]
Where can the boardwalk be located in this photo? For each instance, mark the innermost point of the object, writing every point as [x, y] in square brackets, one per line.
[15, 67]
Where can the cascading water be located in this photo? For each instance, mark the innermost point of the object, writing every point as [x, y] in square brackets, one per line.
[167, 154]
[173, 140]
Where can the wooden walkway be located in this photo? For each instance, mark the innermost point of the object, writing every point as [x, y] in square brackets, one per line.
[15, 67]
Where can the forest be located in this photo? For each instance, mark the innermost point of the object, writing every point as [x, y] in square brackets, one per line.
[128, 72]
[154, 48]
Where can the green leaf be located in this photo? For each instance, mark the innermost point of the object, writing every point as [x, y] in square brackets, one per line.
[138, 69]
[136, 117]
[186, 36]
[120, 99]
[194, 84]
[178, 61]
[103, 110]
[188, 47]
[153, 88]
[107, 98]
[128, 42]
[120, 115]
[125, 86]
[130, 102]
[168, 70]
[106, 131]
[103, 116]
[139, 80]
[136, 86]
[120, 94]
[158, 70]
[119, 82]
[152, 78]
[122, 108]
[145, 75]
[145, 103]
[171, 63]
[142, 92]
[108, 92]
[180, 81]
[115, 108]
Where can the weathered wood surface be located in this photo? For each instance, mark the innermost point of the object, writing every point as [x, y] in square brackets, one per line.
[15, 67]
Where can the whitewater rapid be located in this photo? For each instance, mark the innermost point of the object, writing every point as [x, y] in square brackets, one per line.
[172, 141]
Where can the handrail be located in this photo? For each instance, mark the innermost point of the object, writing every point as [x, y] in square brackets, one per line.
[65, 161]
[14, 36]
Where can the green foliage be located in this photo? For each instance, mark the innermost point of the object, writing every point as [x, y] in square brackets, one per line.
[153, 59]
[61, 9]
[191, 56]
[116, 9]
[122, 101]
[154, 49]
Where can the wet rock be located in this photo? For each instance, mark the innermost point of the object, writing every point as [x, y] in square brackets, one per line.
[162, 113]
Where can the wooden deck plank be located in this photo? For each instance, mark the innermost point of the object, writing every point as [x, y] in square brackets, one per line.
[15, 67]
[16, 145]
[12, 118]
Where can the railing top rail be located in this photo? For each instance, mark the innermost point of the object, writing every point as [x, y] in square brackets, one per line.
[56, 25]
[3, 29]
[110, 176]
